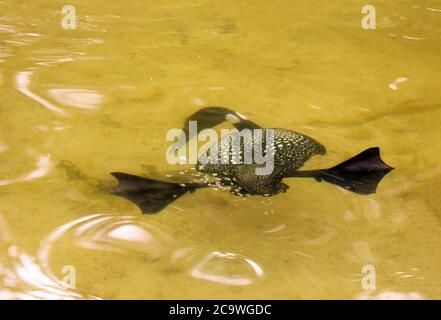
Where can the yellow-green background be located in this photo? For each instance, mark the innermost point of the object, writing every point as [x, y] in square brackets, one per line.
[302, 65]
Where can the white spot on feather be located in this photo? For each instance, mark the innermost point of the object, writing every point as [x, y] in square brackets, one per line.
[232, 118]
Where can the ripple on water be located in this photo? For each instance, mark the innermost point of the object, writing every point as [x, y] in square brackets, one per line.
[110, 233]
[42, 168]
[22, 277]
[78, 98]
[227, 268]
[125, 234]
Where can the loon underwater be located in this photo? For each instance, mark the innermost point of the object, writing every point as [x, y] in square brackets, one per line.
[360, 174]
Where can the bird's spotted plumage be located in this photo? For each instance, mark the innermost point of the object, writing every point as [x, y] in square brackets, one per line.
[290, 150]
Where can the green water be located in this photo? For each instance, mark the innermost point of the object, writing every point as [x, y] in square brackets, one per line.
[78, 104]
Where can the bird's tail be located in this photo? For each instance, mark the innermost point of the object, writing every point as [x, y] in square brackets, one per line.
[360, 174]
[151, 196]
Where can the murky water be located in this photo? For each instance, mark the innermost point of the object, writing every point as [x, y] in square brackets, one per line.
[78, 104]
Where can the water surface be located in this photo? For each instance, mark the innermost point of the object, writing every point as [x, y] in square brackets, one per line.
[78, 104]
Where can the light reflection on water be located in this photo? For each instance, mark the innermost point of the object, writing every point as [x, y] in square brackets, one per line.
[122, 234]
[112, 233]
[78, 98]
[42, 168]
[209, 269]
[119, 81]
[22, 277]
